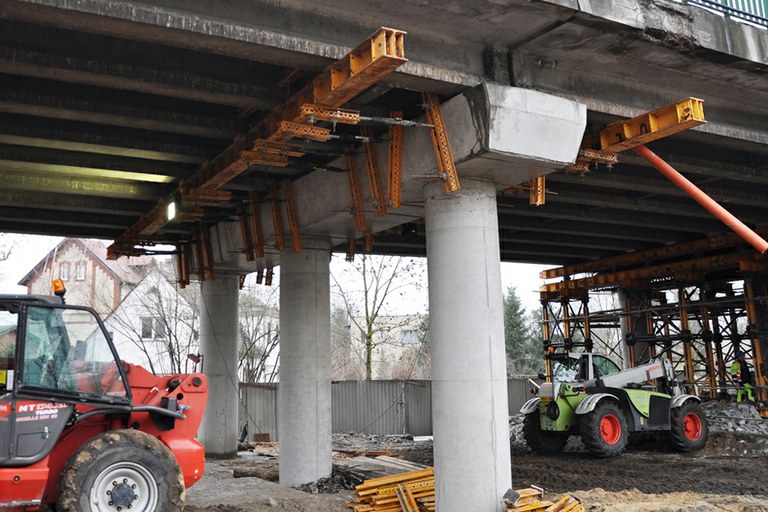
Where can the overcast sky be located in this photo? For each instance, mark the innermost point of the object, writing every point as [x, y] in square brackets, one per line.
[30, 249]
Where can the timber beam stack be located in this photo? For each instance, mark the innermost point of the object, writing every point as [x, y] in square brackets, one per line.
[532, 500]
[413, 491]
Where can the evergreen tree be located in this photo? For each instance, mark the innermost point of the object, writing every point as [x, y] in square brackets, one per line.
[522, 337]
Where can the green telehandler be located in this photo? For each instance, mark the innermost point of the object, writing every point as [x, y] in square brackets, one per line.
[587, 395]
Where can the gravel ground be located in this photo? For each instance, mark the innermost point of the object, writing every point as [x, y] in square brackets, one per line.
[730, 474]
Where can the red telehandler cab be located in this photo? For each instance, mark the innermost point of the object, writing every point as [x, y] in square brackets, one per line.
[82, 430]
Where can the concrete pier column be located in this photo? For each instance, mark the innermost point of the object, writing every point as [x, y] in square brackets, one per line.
[304, 394]
[219, 344]
[469, 382]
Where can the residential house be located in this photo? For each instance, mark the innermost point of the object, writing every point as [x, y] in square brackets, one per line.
[151, 323]
[401, 347]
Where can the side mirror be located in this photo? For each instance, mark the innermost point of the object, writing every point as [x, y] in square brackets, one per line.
[541, 376]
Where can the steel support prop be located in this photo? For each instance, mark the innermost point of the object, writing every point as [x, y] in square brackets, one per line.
[703, 199]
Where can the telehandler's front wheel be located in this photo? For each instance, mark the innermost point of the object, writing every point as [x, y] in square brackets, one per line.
[604, 430]
[121, 471]
[539, 440]
[689, 429]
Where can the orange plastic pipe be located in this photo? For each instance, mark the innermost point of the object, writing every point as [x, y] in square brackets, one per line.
[704, 200]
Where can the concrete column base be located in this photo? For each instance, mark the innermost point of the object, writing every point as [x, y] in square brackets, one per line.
[304, 395]
[219, 337]
[469, 381]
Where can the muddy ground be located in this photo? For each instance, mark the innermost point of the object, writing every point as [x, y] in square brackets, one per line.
[637, 481]
[731, 474]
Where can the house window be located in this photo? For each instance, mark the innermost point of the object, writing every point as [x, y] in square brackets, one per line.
[64, 271]
[160, 333]
[153, 329]
[146, 328]
[409, 336]
[80, 271]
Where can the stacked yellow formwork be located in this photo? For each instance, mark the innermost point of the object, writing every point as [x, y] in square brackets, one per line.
[413, 491]
[532, 500]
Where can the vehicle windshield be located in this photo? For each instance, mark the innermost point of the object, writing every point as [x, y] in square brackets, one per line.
[576, 369]
[65, 351]
[565, 370]
[8, 326]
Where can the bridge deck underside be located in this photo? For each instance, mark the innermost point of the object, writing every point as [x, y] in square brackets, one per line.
[97, 126]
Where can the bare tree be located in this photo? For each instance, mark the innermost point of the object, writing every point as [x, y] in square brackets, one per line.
[366, 287]
[260, 335]
[347, 363]
[160, 323]
[415, 361]
[7, 245]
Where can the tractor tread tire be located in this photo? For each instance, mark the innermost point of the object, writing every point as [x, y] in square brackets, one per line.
[100, 452]
[543, 443]
[589, 427]
[680, 440]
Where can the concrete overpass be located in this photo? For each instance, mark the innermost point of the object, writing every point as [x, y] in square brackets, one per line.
[108, 107]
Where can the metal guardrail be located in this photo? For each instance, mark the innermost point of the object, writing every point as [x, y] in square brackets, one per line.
[752, 11]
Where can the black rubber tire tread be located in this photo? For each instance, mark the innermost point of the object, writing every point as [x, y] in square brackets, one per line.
[589, 427]
[541, 442]
[101, 451]
[677, 436]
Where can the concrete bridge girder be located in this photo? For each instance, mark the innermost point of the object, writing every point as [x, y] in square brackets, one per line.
[502, 134]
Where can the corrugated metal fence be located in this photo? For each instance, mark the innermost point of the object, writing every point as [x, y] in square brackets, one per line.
[373, 407]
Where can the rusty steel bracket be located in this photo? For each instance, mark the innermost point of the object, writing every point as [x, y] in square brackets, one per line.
[441, 144]
[277, 220]
[289, 130]
[538, 191]
[374, 174]
[395, 162]
[356, 193]
[290, 208]
[245, 235]
[351, 248]
[311, 113]
[182, 264]
[256, 231]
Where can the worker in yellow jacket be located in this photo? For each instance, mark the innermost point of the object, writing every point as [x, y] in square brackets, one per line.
[743, 376]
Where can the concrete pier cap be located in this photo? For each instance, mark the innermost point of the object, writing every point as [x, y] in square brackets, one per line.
[510, 135]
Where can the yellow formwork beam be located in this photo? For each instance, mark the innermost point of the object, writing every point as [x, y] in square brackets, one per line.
[602, 146]
[657, 124]
[377, 56]
[651, 272]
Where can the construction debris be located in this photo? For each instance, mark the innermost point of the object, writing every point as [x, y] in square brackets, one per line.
[726, 417]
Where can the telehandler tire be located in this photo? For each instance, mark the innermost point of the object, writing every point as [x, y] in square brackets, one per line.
[121, 471]
[540, 441]
[604, 430]
[688, 427]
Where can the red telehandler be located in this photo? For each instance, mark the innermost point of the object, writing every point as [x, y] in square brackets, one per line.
[81, 430]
